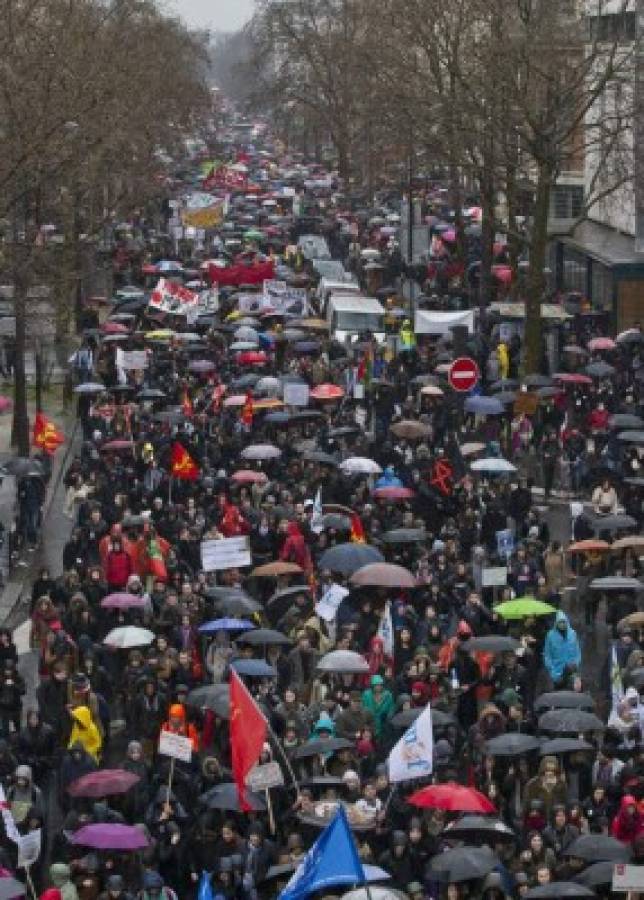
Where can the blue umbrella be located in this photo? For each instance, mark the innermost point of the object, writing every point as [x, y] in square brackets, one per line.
[306, 347]
[169, 265]
[253, 668]
[277, 418]
[226, 624]
[484, 406]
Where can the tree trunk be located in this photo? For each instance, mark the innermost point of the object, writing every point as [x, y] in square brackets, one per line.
[514, 248]
[536, 282]
[487, 238]
[20, 425]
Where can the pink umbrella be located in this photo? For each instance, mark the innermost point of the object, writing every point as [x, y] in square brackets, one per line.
[252, 358]
[449, 235]
[327, 392]
[502, 274]
[393, 493]
[105, 836]
[103, 783]
[601, 343]
[235, 400]
[123, 600]
[114, 328]
[249, 476]
[572, 378]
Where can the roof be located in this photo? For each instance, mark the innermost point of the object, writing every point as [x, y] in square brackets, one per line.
[606, 245]
[354, 303]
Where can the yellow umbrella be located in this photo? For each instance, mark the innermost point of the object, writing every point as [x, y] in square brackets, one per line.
[235, 314]
[161, 334]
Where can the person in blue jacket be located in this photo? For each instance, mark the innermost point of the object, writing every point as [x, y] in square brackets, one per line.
[561, 652]
[389, 479]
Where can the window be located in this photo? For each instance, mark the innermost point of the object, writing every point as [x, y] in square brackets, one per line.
[567, 201]
[618, 27]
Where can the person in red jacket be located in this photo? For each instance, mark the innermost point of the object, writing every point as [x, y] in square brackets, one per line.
[598, 418]
[627, 824]
[118, 566]
[294, 548]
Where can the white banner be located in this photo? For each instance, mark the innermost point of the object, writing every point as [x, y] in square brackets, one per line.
[175, 745]
[29, 848]
[494, 576]
[226, 553]
[329, 603]
[386, 631]
[413, 755]
[131, 359]
[173, 298]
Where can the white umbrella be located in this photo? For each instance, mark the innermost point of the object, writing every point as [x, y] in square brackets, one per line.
[129, 636]
[343, 661]
[472, 447]
[375, 892]
[90, 387]
[494, 465]
[261, 451]
[269, 387]
[360, 465]
[246, 333]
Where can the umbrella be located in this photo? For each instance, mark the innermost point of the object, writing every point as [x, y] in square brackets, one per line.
[522, 607]
[326, 392]
[404, 536]
[589, 546]
[112, 446]
[564, 700]
[345, 661]
[410, 429]
[201, 366]
[601, 343]
[537, 381]
[128, 636]
[631, 437]
[481, 829]
[630, 336]
[462, 864]
[265, 636]
[574, 348]
[276, 569]
[492, 464]
[374, 892]
[252, 358]
[237, 603]
[287, 593]
[103, 783]
[598, 874]
[151, 394]
[249, 476]
[471, 447]
[484, 406]
[90, 387]
[269, 386]
[317, 456]
[246, 333]
[504, 384]
[626, 421]
[226, 796]
[360, 465]
[336, 521]
[432, 390]
[557, 889]
[614, 523]
[617, 583]
[563, 721]
[564, 745]
[211, 696]
[253, 668]
[348, 557]
[393, 493]
[512, 744]
[599, 369]
[631, 542]
[321, 747]
[123, 600]
[572, 378]
[382, 574]
[492, 643]
[11, 887]
[405, 718]
[598, 848]
[451, 797]
[107, 836]
[261, 451]
[226, 624]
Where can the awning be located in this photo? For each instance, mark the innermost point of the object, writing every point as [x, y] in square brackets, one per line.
[517, 311]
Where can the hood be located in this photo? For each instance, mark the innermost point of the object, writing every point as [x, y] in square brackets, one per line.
[59, 874]
[83, 716]
[562, 617]
[177, 712]
[324, 723]
[24, 772]
[377, 680]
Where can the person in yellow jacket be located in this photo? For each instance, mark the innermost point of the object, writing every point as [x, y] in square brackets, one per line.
[407, 336]
[85, 732]
[504, 359]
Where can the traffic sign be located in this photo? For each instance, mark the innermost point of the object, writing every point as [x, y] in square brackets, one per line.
[464, 374]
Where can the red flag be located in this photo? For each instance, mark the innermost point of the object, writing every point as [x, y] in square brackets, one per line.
[248, 731]
[357, 531]
[182, 465]
[247, 411]
[46, 435]
[186, 406]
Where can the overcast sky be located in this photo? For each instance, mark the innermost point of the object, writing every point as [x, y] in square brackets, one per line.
[218, 15]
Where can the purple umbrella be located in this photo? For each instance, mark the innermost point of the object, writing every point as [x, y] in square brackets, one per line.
[123, 600]
[103, 783]
[201, 366]
[110, 837]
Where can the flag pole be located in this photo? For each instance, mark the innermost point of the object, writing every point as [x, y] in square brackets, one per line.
[282, 751]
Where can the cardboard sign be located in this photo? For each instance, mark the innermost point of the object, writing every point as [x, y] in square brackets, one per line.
[296, 394]
[227, 553]
[175, 745]
[628, 878]
[494, 576]
[29, 848]
[526, 403]
[262, 778]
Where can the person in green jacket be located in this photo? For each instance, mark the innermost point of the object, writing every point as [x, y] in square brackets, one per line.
[379, 702]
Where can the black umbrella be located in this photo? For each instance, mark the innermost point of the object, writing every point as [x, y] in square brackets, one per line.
[321, 747]
[598, 874]
[599, 369]
[404, 536]
[344, 431]
[289, 593]
[349, 557]
[462, 864]
[336, 521]
[264, 636]
[563, 721]
[479, 829]
[564, 745]
[616, 583]
[631, 437]
[405, 718]
[21, 466]
[626, 420]
[564, 700]
[224, 796]
[150, 394]
[512, 744]
[613, 523]
[318, 456]
[538, 381]
[598, 848]
[559, 889]
[492, 643]
[211, 696]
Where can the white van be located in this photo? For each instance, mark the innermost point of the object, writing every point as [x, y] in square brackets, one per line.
[349, 315]
[330, 286]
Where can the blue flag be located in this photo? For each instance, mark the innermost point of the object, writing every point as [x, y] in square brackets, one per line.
[205, 888]
[332, 860]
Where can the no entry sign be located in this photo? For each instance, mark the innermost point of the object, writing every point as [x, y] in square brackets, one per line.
[464, 374]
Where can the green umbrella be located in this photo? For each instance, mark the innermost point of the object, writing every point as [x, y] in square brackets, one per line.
[253, 235]
[522, 607]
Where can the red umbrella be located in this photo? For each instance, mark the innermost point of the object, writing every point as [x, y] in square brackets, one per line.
[123, 600]
[5, 404]
[327, 392]
[451, 797]
[503, 274]
[114, 328]
[393, 493]
[248, 476]
[252, 358]
[103, 783]
[149, 269]
[601, 343]
[572, 378]
[118, 445]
